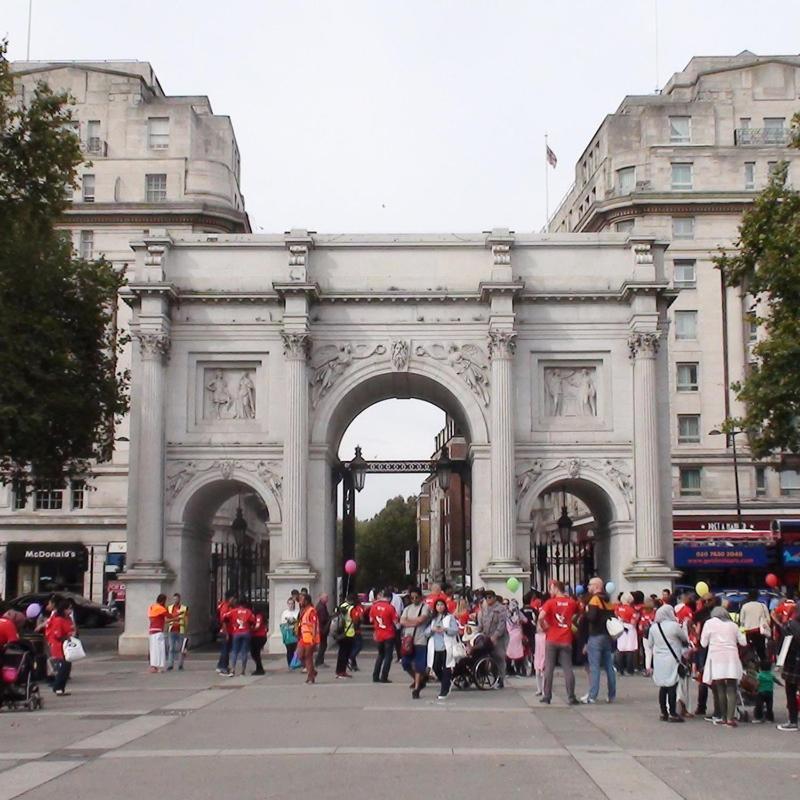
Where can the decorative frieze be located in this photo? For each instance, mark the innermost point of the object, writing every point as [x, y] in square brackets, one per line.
[570, 391]
[468, 361]
[331, 361]
[229, 394]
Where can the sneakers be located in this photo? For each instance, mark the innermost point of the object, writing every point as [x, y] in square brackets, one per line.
[718, 721]
[756, 721]
[544, 700]
[713, 719]
[64, 693]
[343, 675]
[784, 726]
[588, 701]
[415, 694]
[573, 701]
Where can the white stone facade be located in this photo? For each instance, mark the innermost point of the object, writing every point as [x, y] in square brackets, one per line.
[722, 121]
[321, 323]
[116, 104]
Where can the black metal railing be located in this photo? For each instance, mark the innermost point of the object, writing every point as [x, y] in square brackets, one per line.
[572, 563]
[241, 569]
[744, 137]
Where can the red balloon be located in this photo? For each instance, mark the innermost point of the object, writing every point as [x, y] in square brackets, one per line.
[772, 581]
[350, 567]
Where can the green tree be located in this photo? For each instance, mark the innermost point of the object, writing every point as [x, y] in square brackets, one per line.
[766, 265]
[59, 387]
[382, 543]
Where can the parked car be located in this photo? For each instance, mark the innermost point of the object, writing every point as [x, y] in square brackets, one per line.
[88, 614]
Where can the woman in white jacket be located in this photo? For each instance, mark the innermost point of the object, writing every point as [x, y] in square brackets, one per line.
[723, 667]
[442, 632]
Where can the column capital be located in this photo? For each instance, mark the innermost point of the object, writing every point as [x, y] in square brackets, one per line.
[153, 344]
[296, 345]
[502, 343]
[644, 344]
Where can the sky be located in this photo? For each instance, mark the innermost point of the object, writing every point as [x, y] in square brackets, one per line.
[416, 116]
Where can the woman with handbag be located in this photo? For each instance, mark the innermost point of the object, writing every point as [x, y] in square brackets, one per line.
[57, 630]
[723, 668]
[667, 640]
[289, 629]
[442, 633]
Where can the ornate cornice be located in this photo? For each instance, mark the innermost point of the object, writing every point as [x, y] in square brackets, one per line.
[227, 221]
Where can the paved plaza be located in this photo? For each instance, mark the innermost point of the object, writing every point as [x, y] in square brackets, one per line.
[124, 733]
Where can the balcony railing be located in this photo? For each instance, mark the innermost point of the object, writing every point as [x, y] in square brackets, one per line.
[95, 145]
[744, 137]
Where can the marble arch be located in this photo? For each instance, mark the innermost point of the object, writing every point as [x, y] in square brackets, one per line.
[252, 353]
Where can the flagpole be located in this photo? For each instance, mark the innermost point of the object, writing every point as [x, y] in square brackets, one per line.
[546, 186]
[30, 14]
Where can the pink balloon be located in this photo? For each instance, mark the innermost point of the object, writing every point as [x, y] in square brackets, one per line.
[350, 566]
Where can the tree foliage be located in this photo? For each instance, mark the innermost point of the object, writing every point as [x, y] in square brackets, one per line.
[766, 265]
[59, 387]
[382, 541]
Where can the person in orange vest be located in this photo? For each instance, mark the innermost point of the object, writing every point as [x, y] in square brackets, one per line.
[177, 631]
[157, 617]
[309, 636]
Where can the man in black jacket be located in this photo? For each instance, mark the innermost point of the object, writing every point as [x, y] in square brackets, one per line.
[599, 645]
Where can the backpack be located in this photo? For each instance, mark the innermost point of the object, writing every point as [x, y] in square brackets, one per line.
[337, 627]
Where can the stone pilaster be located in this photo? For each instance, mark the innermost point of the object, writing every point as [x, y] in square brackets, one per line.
[649, 561]
[295, 451]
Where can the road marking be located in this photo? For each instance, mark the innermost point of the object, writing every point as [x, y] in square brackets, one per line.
[22, 756]
[18, 780]
[122, 734]
[621, 777]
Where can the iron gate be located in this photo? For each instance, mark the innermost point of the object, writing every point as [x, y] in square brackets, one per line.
[572, 563]
[241, 569]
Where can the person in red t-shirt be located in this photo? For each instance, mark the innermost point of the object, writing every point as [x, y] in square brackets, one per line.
[258, 638]
[58, 629]
[384, 619]
[223, 607]
[8, 633]
[239, 621]
[557, 618]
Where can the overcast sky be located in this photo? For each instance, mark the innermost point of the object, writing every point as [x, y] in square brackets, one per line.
[420, 115]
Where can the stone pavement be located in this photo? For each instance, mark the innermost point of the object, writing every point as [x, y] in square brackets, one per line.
[124, 733]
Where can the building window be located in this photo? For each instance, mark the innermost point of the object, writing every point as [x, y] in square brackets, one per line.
[682, 177]
[88, 188]
[774, 130]
[155, 188]
[680, 130]
[771, 165]
[683, 227]
[158, 133]
[48, 496]
[749, 175]
[790, 482]
[626, 180]
[752, 330]
[93, 143]
[744, 123]
[685, 324]
[686, 377]
[690, 481]
[20, 497]
[683, 273]
[688, 428]
[624, 226]
[78, 494]
[87, 245]
[761, 481]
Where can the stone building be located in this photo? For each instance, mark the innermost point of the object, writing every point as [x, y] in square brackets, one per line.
[682, 165]
[154, 164]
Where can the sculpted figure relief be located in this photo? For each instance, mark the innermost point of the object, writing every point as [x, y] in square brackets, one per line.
[400, 354]
[570, 392]
[229, 398]
[467, 360]
[331, 361]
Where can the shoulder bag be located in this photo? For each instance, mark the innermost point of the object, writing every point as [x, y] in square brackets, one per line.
[683, 670]
[73, 649]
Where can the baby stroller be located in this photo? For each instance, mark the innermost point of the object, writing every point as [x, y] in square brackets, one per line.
[18, 688]
[477, 669]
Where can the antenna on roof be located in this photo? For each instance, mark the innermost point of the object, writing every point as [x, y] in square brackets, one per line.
[655, 21]
[30, 14]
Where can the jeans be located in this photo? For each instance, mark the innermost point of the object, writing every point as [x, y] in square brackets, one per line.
[667, 700]
[601, 657]
[63, 669]
[383, 662]
[763, 709]
[791, 699]
[224, 652]
[175, 649]
[561, 653]
[343, 656]
[442, 672]
[239, 650]
[256, 646]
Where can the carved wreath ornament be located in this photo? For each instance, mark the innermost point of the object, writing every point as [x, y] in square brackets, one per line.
[467, 360]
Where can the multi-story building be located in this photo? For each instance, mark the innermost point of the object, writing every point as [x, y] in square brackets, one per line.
[155, 164]
[683, 165]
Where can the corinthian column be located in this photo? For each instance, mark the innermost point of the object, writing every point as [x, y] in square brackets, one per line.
[643, 347]
[295, 450]
[148, 544]
[501, 348]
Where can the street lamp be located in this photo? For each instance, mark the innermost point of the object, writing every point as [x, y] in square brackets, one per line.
[239, 525]
[564, 522]
[358, 466]
[731, 437]
[444, 469]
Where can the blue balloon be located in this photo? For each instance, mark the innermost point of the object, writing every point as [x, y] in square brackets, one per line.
[610, 586]
[579, 589]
